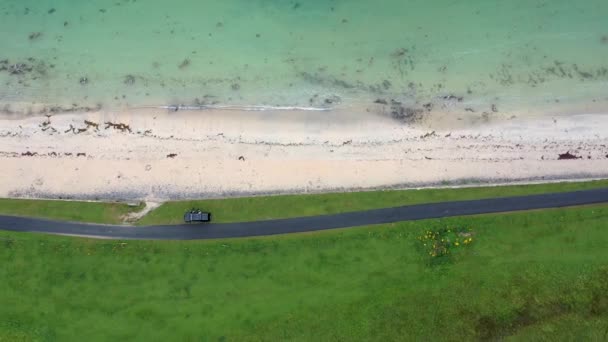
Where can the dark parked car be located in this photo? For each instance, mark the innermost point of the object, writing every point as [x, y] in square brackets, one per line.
[196, 215]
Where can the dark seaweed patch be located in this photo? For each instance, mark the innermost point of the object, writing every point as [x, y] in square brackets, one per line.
[451, 97]
[568, 156]
[185, 63]
[381, 101]
[129, 80]
[403, 113]
[34, 35]
[402, 61]
[19, 68]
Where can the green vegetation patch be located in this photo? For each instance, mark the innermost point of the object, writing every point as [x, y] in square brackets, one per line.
[440, 244]
[531, 275]
[96, 212]
[274, 207]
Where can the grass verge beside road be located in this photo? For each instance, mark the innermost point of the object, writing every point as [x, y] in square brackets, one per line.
[274, 207]
[531, 276]
[94, 212]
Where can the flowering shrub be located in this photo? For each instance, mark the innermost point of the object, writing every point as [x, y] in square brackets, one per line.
[444, 241]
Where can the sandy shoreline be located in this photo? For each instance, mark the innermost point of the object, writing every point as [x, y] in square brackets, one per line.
[160, 155]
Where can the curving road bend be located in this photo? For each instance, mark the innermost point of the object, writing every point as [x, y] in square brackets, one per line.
[307, 224]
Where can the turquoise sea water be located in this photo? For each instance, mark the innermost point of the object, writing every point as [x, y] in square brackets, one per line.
[118, 53]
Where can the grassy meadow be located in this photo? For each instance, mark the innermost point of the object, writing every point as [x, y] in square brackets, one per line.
[537, 275]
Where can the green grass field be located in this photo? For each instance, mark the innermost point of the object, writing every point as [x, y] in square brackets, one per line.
[538, 275]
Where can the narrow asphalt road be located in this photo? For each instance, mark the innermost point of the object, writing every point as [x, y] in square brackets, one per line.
[307, 224]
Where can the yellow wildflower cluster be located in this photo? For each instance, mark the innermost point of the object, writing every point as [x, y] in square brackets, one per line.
[439, 242]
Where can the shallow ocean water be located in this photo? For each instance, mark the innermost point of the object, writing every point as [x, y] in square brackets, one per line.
[127, 53]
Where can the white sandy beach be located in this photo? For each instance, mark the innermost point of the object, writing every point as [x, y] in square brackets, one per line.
[200, 154]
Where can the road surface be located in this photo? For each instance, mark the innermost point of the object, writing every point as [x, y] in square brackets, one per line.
[307, 224]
